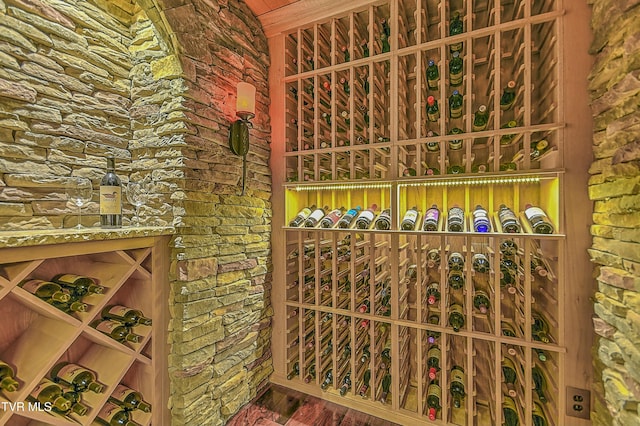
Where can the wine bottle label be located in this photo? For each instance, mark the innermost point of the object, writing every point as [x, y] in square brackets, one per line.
[317, 215]
[532, 212]
[110, 200]
[69, 372]
[434, 390]
[509, 404]
[432, 215]
[32, 286]
[411, 216]
[68, 278]
[41, 387]
[107, 326]
[434, 352]
[108, 411]
[367, 214]
[455, 79]
[457, 375]
[118, 310]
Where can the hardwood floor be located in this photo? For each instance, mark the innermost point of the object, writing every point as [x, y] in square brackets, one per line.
[282, 406]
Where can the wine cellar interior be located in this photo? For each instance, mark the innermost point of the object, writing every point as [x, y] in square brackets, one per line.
[427, 213]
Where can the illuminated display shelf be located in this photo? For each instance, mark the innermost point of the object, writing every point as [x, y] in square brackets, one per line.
[347, 144]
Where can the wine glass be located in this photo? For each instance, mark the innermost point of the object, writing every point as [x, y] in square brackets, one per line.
[137, 195]
[79, 191]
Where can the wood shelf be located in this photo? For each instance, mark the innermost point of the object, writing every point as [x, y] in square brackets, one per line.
[133, 272]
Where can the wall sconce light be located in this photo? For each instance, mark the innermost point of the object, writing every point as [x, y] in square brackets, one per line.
[239, 131]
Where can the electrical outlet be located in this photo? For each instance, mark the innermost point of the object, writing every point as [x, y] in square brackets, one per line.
[578, 403]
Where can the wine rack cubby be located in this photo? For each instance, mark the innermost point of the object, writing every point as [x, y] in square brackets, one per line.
[404, 104]
[41, 335]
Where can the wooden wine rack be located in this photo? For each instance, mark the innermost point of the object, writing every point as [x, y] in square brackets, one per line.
[355, 132]
[134, 273]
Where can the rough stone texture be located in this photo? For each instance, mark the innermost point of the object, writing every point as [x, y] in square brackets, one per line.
[615, 187]
[152, 82]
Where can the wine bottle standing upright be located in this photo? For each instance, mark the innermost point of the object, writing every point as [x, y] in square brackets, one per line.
[111, 197]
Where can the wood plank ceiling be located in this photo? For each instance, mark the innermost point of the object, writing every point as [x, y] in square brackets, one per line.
[260, 7]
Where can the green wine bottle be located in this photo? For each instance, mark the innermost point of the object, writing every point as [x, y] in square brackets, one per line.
[455, 105]
[481, 301]
[480, 119]
[115, 330]
[79, 285]
[508, 96]
[113, 415]
[7, 378]
[386, 387]
[128, 316]
[434, 394]
[129, 399]
[328, 380]
[509, 412]
[346, 384]
[456, 27]
[510, 375]
[506, 139]
[456, 66]
[433, 361]
[457, 380]
[295, 371]
[48, 392]
[538, 416]
[75, 376]
[433, 75]
[540, 383]
[456, 317]
[366, 378]
[433, 112]
[45, 290]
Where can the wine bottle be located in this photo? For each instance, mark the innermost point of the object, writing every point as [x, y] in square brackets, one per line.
[539, 328]
[540, 383]
[434, 394]
[69, 307]
[456, 261]
[456, 27]
[508, 248]
[510, 375]
[113, 415]
[346, 384]
[455, 219]
[128, 316]
[431, 218]
[409, 220]
[433, 258]
[345, 52]
[538, 416]
[115, 330]
[332, 218]
[48, 392]
[77, 407]
[328, 380]
[456, 65]
[45, 290]
[366, 217]
[481, 221]
[538, 148]
[509, 412]
[455, 104]
[433, 75]
[315, 217]
[383, 222]
[75, 376]
[480, 119]
[311, 374]
[433, 293]
[366, 354]
[456, 280]
[506, 139]
[538, 267]
[385, 355]
[480, 263]
[302, 216]
[481, 301]
[432, 336]
[111, 197]
[508, 96]
[79, 285]
[433, 361]
[295, 371]
[384, 35]
[7, 378]
[540, 223]
[386, 386]
[364, 306]
[129, 399]
[457, 380]
[309, 60]
[508, 220]
[455, 144]
[366, 378]
[410, 171]
[456, 317]
[433, 112]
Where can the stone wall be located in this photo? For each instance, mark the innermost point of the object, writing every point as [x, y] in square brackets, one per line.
[152, 82]
[615, 187]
